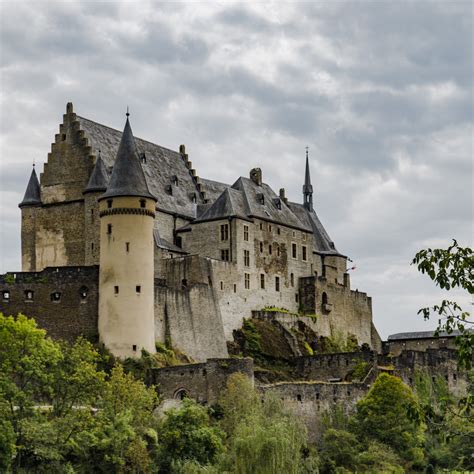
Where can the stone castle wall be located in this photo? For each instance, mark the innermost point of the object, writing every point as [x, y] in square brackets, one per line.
[71, 315]
[397, 346]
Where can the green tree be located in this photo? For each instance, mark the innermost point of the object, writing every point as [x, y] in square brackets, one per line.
[187, 434]
[382, 416]
[451, 268]
[339, 449]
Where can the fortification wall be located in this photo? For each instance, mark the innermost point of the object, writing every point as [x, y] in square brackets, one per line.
[203, 382]
[186, 311]
[72, 314]
[396, 347]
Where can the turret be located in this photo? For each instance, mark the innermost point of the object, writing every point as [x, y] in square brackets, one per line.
[29, 209]
[126, 275]
[96, 186]
[307, 187]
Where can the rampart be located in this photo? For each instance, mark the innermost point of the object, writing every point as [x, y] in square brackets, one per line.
[203, 382]
[62, 300]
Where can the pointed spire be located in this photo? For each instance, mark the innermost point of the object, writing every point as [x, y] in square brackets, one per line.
[307, 187]
[98, 179]
[33, 194]
[128, 178]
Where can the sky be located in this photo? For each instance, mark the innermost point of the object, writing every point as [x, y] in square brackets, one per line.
[381, 92]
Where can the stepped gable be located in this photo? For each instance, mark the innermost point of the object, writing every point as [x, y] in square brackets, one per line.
[33, 194]
[162, 168]
[263, 203]
[322, 242]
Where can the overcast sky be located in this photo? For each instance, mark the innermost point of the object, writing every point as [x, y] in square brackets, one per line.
[381, 92]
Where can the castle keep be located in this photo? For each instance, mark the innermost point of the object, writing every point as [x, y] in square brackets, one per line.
[122, 240]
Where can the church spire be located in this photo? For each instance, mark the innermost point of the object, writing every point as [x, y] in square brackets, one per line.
[128, 178]
[32, 195]
[307, 187]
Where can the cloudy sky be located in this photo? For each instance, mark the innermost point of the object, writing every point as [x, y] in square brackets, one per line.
[381, 92]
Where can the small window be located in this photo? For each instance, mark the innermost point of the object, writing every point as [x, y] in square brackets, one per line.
[134, 348]
[294, 234]
[83, 292]
[6, 295]
[278, 251]
[278, 230]
[304, 237]
[261, 226]
[247, 281]
[138, 289]
[222, 285]
[109, 204]
[225, 255]
[262, 281]
[142, 203]
[92, 245]
[294, 253]
[246, 233]
[304, 255]
[184, 282]
[224, 232]
[292, 279]
[175, 180]
[298, 397]
[92, 212]
[269, 228]
[247, 258]
[178, 241]
[116, 290]
[127, 247]
[296, 297]
[235, 288]
[270, 249]
[109, 229]
[56, 297]
[277, 283]
[261, 247]
[29, 295]
[143, 158]
[324, 298]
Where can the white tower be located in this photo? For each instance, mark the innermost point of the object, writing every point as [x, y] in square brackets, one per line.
[126, 274]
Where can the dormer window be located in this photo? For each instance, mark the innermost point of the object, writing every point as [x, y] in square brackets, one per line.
[169, 189]
[261, 198]
[193, 198]
[277, 202]
[143, 158]
[175, 180]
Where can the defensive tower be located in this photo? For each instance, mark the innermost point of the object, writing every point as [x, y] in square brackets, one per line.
[127, 212]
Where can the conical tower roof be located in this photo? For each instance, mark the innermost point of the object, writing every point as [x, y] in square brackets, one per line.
[32, 195]
[128, 178]
[98, 179]
[307, 187]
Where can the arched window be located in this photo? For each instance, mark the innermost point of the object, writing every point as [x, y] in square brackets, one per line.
[56, 297]
[180, 394]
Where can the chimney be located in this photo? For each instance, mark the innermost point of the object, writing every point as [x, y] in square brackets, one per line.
[182, 149]
[256, 176]
[283, 195]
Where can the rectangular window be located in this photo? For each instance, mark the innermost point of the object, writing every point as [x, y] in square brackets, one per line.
[222, 285]
[247, 281]
[292, 279]
[270, 249]
[246, 233]
[296, 297]
[225, 255]
[293, 251]
[247, 258]
[224, 232]
[269, 228]
[278, 230]
[304, 256]
[109, 229]
[277, 283]
[127, 247]
[304, 237]
[138, 289]
[116, 290]
[262, 281]
[109, 204]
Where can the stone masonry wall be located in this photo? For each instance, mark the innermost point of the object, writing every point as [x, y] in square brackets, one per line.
[395, 347]
[71, 316]
[203, 382]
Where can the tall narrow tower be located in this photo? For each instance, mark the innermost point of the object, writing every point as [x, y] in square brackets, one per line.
[126, 274]
[307, 187]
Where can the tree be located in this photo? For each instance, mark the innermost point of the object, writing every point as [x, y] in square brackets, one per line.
[451, 268]
[382, 416]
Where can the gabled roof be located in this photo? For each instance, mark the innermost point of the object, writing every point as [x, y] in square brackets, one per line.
[159, 165]
[229, 204]
[33, 194]
[127, 177]
[99, 178]
[322, 242]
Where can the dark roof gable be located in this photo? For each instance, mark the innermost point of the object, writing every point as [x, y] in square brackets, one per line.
[32, 195]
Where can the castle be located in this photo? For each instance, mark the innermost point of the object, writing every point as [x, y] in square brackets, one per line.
[121, 239]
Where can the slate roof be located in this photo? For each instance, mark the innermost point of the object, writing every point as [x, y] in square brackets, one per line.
[127, 177]
[33, 194]
[99, 178]
[160, 166]
[165, 244]
[230, 203]
[323, 244]
[421, 335]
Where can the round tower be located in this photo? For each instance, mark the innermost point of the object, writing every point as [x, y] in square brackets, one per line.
[126, 274]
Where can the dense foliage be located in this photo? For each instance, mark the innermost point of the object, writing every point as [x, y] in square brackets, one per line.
[64, 409]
